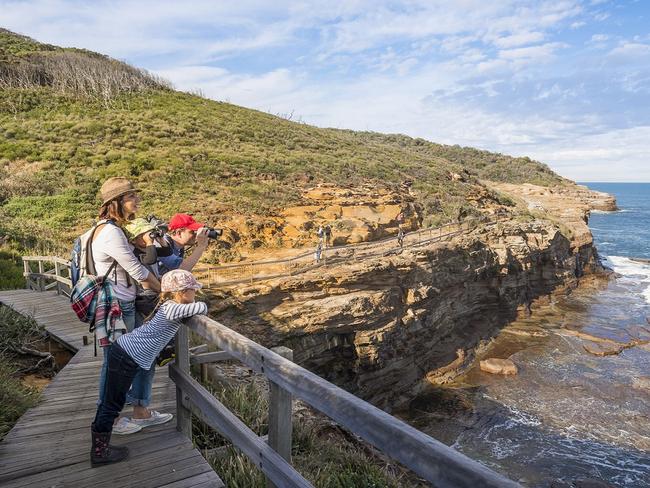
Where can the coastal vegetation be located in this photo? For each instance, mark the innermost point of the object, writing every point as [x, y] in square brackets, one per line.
[71, 118]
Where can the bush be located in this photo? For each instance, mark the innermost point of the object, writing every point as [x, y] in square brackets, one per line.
[11, 271]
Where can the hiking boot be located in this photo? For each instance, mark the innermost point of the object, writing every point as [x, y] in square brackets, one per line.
[156, 418]
[101, 452]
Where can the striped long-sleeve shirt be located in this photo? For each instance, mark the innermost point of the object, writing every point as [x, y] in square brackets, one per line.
[145, 342]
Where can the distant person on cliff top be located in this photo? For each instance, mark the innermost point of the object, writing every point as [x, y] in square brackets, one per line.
[328, 235]
[184, 232]
[320, 233]
[400, 237]
[319, 251]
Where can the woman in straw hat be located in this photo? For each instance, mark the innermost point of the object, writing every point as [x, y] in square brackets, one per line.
[120, 202]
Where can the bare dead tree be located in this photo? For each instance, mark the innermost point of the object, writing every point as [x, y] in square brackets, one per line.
[85, 75]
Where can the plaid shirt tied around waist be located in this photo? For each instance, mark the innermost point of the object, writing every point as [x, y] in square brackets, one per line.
[93, 301]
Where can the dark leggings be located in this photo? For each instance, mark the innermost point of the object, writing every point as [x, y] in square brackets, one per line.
[121, 370]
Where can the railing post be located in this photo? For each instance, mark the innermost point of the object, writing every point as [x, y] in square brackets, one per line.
[57, 272]
[26, 271]
[280, 415]
[183, 414]
[41, 280]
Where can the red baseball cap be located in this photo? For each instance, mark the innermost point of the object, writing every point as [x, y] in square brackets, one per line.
[184, 221]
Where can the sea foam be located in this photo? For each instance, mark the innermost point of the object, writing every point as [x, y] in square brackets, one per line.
[632, 271]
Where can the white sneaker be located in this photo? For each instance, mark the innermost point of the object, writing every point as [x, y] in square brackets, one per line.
[125, 426]
[156, 418]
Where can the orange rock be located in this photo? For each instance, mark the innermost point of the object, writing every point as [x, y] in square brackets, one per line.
[499, 366]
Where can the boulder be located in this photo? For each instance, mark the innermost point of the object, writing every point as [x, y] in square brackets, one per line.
[498, 366]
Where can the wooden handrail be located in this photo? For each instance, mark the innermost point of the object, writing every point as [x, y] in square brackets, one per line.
[216, 415]
[427, 457]
[36, 281]
[49, 259]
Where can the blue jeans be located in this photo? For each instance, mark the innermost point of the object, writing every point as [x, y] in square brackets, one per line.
[120, 372]
[140, 393]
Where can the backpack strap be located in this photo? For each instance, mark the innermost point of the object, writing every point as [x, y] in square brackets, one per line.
[113, 267]
[90, 261]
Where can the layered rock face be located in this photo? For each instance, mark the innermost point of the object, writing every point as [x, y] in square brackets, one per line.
[384, 327]
[358, 214]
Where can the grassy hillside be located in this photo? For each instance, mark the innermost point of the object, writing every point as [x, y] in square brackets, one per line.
[70, 118]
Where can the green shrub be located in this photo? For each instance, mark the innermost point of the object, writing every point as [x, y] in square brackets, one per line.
[11, 271]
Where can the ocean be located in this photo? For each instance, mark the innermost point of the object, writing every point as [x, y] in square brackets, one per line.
[624, 235]
[568, 415]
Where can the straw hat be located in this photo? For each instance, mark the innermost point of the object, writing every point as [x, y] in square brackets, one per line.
[115, 187]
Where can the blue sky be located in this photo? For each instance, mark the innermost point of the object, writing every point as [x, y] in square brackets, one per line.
[566, 82]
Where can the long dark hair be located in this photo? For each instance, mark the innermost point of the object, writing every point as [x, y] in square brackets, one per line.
[114, 210]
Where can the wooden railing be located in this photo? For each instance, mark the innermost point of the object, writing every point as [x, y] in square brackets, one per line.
[53, 273]
[425, 456]
[254, 271]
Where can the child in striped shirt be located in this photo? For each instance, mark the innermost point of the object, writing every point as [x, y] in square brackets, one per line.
[139, 348]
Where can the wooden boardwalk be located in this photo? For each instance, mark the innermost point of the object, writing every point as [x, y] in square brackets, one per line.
[50, 444]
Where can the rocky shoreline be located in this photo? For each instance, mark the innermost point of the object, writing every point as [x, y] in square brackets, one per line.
[386, 328]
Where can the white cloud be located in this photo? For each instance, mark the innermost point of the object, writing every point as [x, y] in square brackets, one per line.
[532, 53]
[601, 157]
[555, 92]
[520, 39]
[269, 91]
[632, 50]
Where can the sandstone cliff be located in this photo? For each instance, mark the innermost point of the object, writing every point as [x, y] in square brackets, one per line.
[384, 326]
